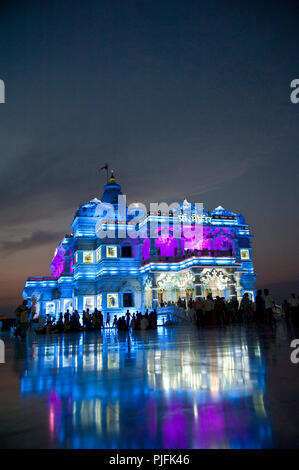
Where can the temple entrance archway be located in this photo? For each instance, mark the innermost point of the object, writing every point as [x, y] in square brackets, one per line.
[172, 286]
[215, 282]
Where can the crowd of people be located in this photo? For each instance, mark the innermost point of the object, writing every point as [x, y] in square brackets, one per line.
[137, 321]
[71, 322]
[203, 312]
[218, 311]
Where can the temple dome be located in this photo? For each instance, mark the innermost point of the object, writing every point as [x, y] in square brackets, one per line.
[88, 209]
[95, 207]
[111, 193]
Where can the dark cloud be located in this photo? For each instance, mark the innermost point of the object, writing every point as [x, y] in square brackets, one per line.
[35, 240]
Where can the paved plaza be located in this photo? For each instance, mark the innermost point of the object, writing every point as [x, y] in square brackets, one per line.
[175, 387]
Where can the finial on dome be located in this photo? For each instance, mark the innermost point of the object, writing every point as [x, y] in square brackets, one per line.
[112, 177]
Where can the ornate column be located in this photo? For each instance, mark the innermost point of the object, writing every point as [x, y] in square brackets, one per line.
[197, 285]
[232, 287]
[238, 285]
[155, 300]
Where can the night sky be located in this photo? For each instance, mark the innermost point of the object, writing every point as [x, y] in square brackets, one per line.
[182, 98]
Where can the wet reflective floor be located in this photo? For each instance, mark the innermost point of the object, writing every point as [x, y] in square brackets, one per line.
[232, 387]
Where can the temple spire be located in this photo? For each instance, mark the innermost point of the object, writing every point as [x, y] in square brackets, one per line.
[112, 177]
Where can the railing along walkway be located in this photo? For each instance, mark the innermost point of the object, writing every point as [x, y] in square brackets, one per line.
[175, 314]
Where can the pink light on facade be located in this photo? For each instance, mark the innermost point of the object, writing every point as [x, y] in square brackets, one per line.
[58, 263]
[195, 240]
[222, 239]
[146, 249]
[210, 239]
[166, 244]
[71, 261]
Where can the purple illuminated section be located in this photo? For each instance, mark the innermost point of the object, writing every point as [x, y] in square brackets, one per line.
[58, 264]
[167, 246]
[192, 242]
[146, 249]
[211, 239]
[222, 239]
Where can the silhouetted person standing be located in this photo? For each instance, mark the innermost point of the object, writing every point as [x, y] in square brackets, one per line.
[294, 306]
[259, 307]
[269, 304]
[128, 316]
[22, 313]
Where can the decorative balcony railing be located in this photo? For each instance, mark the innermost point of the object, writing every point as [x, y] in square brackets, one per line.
[42, 278]
[189, 254]
[173, 314]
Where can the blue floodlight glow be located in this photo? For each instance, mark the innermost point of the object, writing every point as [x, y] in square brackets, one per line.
[141, 262]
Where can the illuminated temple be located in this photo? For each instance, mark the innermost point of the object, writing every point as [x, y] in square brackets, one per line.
[123, 272]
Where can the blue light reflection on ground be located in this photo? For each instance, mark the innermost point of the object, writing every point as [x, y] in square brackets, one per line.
[170, 388]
